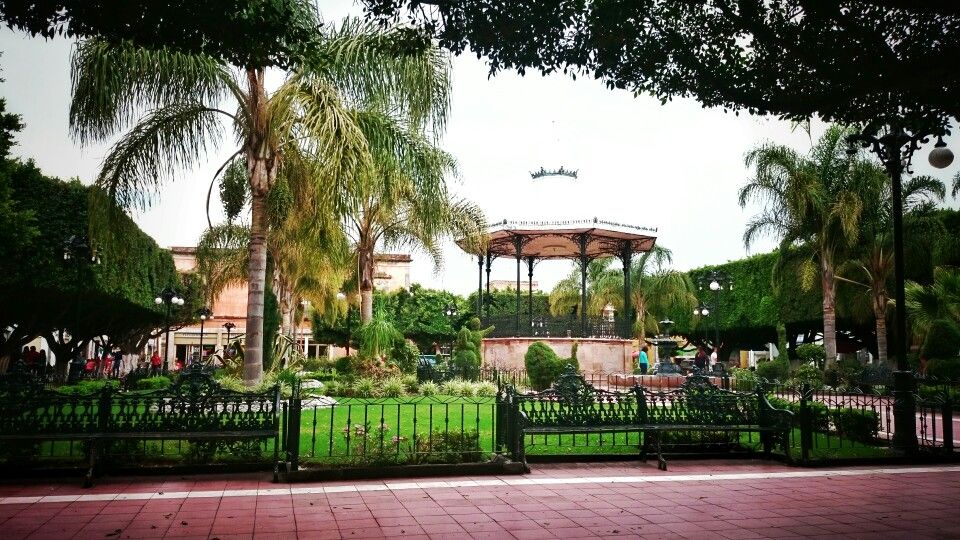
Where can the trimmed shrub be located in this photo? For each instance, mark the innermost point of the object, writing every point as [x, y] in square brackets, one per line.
[846, 373]
[942, 341]
[410, 383]
[428, 389]
[773, 370]
[345, 365]
[855, 424]
[744, 380]
[453, 387]
[808, 353]
[393, 387]
[543, 365]
[88, 387]
[405, 355]
[819, 412]
[944, 368]
[153, 383]
[808, 374]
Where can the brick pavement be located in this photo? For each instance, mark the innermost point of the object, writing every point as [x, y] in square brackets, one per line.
[695, 499]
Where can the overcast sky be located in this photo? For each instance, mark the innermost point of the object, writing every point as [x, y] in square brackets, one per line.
[674, 167]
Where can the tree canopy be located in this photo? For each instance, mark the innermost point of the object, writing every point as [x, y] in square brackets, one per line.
[851, 61]
[249, 33]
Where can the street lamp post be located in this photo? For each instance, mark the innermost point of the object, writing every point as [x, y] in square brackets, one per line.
[895, 149]
[716, 281]
[703, 310]
[229, 326]
[451, 312]
[170, 298]
[204, 314]
[77, 249]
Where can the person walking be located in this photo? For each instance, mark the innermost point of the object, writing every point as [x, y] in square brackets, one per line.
[701, 359]
[643, 360]
[117, 364]
[155, 363]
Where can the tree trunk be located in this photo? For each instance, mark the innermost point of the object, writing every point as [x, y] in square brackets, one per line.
[260, 152]
[828, 282]
[881, 317]
[367, 268]
[257, 276]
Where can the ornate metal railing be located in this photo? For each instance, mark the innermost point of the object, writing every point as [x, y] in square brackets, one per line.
[557, 327]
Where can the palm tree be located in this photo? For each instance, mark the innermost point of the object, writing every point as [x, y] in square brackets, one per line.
[402, 200]
[655, 289]
[174, 102]
[939, 300]
[874, 264]
[814, 202]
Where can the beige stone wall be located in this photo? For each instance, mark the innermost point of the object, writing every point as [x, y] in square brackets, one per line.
[392, 275]
[594, 355]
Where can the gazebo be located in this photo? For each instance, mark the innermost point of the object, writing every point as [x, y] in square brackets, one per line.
[530, 242]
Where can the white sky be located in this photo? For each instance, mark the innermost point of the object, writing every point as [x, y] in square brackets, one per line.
[676, 167]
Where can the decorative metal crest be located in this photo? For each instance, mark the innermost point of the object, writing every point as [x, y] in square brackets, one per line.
[553, 172]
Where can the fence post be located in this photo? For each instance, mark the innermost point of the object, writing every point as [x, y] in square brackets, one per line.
[806, 422]
[293, 428]
[946, 415]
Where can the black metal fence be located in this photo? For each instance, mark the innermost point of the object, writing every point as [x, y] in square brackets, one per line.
[557, 327]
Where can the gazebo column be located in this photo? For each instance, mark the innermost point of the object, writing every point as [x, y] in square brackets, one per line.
[480, 285]
[518, 246]
[584, 261]
[530, 262]
[626, 257]
[487, 300]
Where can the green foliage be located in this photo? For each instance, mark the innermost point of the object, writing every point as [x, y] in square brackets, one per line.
[466, 358]
[697, 50]
[504, 302]
[743, 380]
[378, 337]
[405, 355]
[944, 368]
[345, 365]
[819, 412]
[774, 370]
[811, 353]
[428, 388]
[808, 374]
[365, 387]
[234, 189]
[247, 33]
[846, 373]
[486, 389]
[393, 387]
[153, 383]
[88, 387]
[542, 364]
[942, 341]
[449, 447]
[271, 326]
[335, 388]
[856, 424]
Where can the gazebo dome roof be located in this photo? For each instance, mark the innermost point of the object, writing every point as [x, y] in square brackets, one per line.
[565, 239]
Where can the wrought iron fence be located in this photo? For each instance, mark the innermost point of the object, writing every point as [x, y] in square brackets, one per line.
[557, 327]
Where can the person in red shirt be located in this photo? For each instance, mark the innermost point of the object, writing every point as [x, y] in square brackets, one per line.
[155, 363]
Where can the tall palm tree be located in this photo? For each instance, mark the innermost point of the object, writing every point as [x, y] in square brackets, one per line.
[402, 199]
[814, 201]
[655, 289]
[873, 257]
[175, 105]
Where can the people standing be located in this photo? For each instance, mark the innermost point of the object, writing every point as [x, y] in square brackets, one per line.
[155, 363]
[117, 364]
[643, 360]
[700, 359]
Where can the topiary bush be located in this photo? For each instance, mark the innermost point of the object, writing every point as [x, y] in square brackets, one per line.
[808, 374]
[811, 353]
[466, 355]
[944, 368]
[405, 355]
[773, 370]
[942, 341]
[855, 424]
[542, 364]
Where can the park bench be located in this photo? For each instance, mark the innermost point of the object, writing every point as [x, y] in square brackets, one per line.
[572, 406]
[195, 409]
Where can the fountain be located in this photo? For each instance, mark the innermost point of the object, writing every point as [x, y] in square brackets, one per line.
[665, 347]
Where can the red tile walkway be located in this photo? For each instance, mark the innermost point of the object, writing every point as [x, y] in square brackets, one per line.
[696, 499]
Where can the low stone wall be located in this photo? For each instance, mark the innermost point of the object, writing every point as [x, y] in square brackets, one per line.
[665, 382]
[594, 355]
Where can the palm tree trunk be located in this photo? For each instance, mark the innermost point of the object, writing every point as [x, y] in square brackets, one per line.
[881, 317]
[367, 268]
[262, 169]
[257, 277]
[828, 282]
